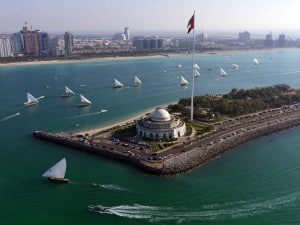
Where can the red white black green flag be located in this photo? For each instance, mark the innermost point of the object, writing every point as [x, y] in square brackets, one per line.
[191, 23]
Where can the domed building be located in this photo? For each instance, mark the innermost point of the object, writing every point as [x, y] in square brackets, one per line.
[160, 125]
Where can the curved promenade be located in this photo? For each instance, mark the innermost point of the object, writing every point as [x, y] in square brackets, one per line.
[226, 136]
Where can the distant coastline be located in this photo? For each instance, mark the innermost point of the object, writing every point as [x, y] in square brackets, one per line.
[150, 56]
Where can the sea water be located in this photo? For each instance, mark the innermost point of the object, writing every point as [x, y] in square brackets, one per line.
[257, 183]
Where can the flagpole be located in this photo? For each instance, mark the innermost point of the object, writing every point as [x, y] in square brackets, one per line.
[193, 73]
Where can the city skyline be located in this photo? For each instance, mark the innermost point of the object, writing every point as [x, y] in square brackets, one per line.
[169, 15]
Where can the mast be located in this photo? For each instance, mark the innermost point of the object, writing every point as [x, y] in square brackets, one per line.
[193, 75]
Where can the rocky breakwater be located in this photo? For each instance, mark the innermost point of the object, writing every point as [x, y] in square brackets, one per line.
[226, 136]
[79, 142]
[215, 145]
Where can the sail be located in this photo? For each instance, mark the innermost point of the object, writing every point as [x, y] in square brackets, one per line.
[196, 66]
[84, 99]
[118, 83]
[197, 73]
[235, 66]
[58, 170]
[255, 61]
[137, 81]
[183, 81]
[223, 72]
[31, 99]
[69, 91]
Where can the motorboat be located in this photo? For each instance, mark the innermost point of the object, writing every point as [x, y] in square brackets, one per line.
[97, 208]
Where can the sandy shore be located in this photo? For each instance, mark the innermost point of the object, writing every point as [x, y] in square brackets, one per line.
[124, 121]
[171, 55]
[102, 59]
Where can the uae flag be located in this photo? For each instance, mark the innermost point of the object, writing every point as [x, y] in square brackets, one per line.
[191, 23]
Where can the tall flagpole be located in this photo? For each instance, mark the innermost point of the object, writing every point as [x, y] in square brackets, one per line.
[193, 73]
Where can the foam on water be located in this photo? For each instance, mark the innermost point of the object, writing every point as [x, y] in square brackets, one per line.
[230, 210]
[10, 117]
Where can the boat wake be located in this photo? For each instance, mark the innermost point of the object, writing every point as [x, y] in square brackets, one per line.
[90, 114]
[10, 117]
[225, 211]
[113, 187]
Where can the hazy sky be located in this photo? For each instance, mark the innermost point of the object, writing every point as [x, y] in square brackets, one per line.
[114, 15]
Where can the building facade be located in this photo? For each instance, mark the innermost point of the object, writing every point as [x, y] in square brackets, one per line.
[269, 42]
[160, 125]
[17, 44]
[43, 40]
[244, 36]
[127, 33]
[5, 46]
[68, 37]
[30, 41]
[282, 41]
[142, 43]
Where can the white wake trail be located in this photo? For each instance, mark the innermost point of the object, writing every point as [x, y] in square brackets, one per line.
[10, 117]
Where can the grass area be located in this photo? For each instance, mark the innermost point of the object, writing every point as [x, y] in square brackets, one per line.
[199, 127]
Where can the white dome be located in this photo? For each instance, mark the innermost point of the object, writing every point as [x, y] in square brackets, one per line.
[160, 115]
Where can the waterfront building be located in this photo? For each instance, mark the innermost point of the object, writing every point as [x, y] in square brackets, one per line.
[160, 125]
[142, 43]
[5, 46]
[30, 41]
[43, 40]
[68, 37]
[244, 36]
[269, 42]
[17, 44]
[202, 37]
[281, 41]
[119, 37]
[127, 33]
[56, 46]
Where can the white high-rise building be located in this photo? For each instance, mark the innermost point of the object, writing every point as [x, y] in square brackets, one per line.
[127, 33]
[5, 46]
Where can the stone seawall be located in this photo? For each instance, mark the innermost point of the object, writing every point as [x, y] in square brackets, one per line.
[200, 155]
[154, 167]
[200, 152]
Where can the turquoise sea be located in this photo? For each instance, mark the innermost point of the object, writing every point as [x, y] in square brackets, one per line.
[258, 183]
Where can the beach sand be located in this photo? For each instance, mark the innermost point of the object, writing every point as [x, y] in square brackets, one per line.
[171, 55]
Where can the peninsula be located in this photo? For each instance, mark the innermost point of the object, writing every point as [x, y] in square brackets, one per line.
[222, 122]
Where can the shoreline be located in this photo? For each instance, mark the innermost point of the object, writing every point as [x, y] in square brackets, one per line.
[121, 122]
[122, 58]
[187, 156]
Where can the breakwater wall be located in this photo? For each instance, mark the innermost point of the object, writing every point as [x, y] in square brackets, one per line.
[181, 162]
[154, 167]
[201, 154]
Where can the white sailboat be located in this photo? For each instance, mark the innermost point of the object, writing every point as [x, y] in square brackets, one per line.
[255, 61]
[235, 66]
[137, 81]
[197, 73]
[118, 84]
[196, 70]
[31, 101]
[196, 66]
[183, 81]
[223, 72]
[57, 172]
[84, 101]
[69, 92]
[179, 66]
